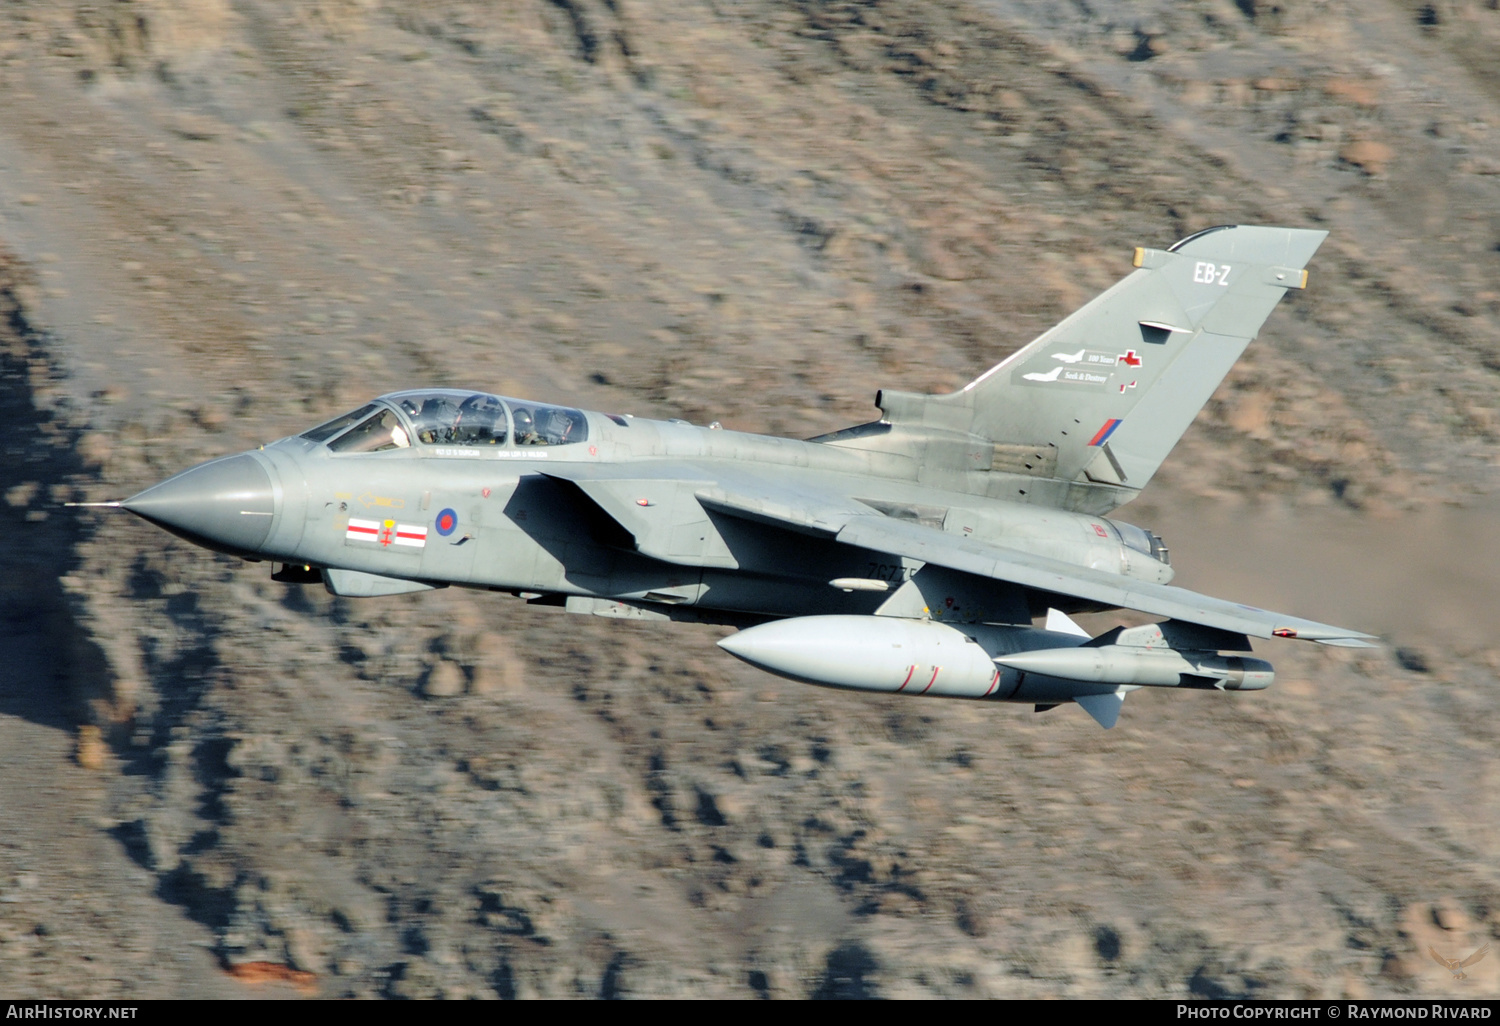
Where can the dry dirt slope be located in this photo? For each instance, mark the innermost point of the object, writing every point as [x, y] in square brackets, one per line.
[235, 218]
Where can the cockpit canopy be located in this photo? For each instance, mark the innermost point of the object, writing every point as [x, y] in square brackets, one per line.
[450, 417]
[453, 418]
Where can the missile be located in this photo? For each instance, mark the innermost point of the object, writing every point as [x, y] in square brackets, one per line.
[873, 653]
[1124, 664]
[859, 584]
[926, 657]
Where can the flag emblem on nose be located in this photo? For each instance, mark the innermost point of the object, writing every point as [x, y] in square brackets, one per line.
[386, 533]
[362, 530]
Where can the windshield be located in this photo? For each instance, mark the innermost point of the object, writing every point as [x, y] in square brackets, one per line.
[379, 432]
[323, 432]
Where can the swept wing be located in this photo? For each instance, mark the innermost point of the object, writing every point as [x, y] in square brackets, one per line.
[1045, 574]
[805, 508]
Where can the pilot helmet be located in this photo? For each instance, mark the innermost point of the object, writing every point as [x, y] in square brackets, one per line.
[525, 424]
[556, 424]
[439, 407]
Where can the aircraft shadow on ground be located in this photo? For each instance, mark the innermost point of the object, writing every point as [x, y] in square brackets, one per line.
[41, 645]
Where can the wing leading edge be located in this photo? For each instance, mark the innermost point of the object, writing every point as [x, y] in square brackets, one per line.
[1045, 574]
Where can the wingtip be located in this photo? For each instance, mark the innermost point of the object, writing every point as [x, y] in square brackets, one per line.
[1363, 641]
[1324, 634]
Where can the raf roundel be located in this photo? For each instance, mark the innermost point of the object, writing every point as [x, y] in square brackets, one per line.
[447, 522]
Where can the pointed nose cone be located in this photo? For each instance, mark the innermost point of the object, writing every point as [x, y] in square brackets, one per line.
[822, 649]
[228, 505]
[780, 646]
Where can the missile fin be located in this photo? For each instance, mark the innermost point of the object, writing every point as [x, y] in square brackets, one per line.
[1105, 709]
[1062, 623]
[905, 602]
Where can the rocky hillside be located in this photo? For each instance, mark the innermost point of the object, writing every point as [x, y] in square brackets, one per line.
[224, 221]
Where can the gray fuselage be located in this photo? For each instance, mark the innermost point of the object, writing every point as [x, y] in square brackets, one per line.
[512, 527]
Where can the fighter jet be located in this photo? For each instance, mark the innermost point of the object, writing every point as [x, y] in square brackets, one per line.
[910, 555]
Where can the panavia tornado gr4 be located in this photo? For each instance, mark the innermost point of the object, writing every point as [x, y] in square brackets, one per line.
[911, 555]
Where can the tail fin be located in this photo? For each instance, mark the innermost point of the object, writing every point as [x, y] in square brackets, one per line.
[1083, 416]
